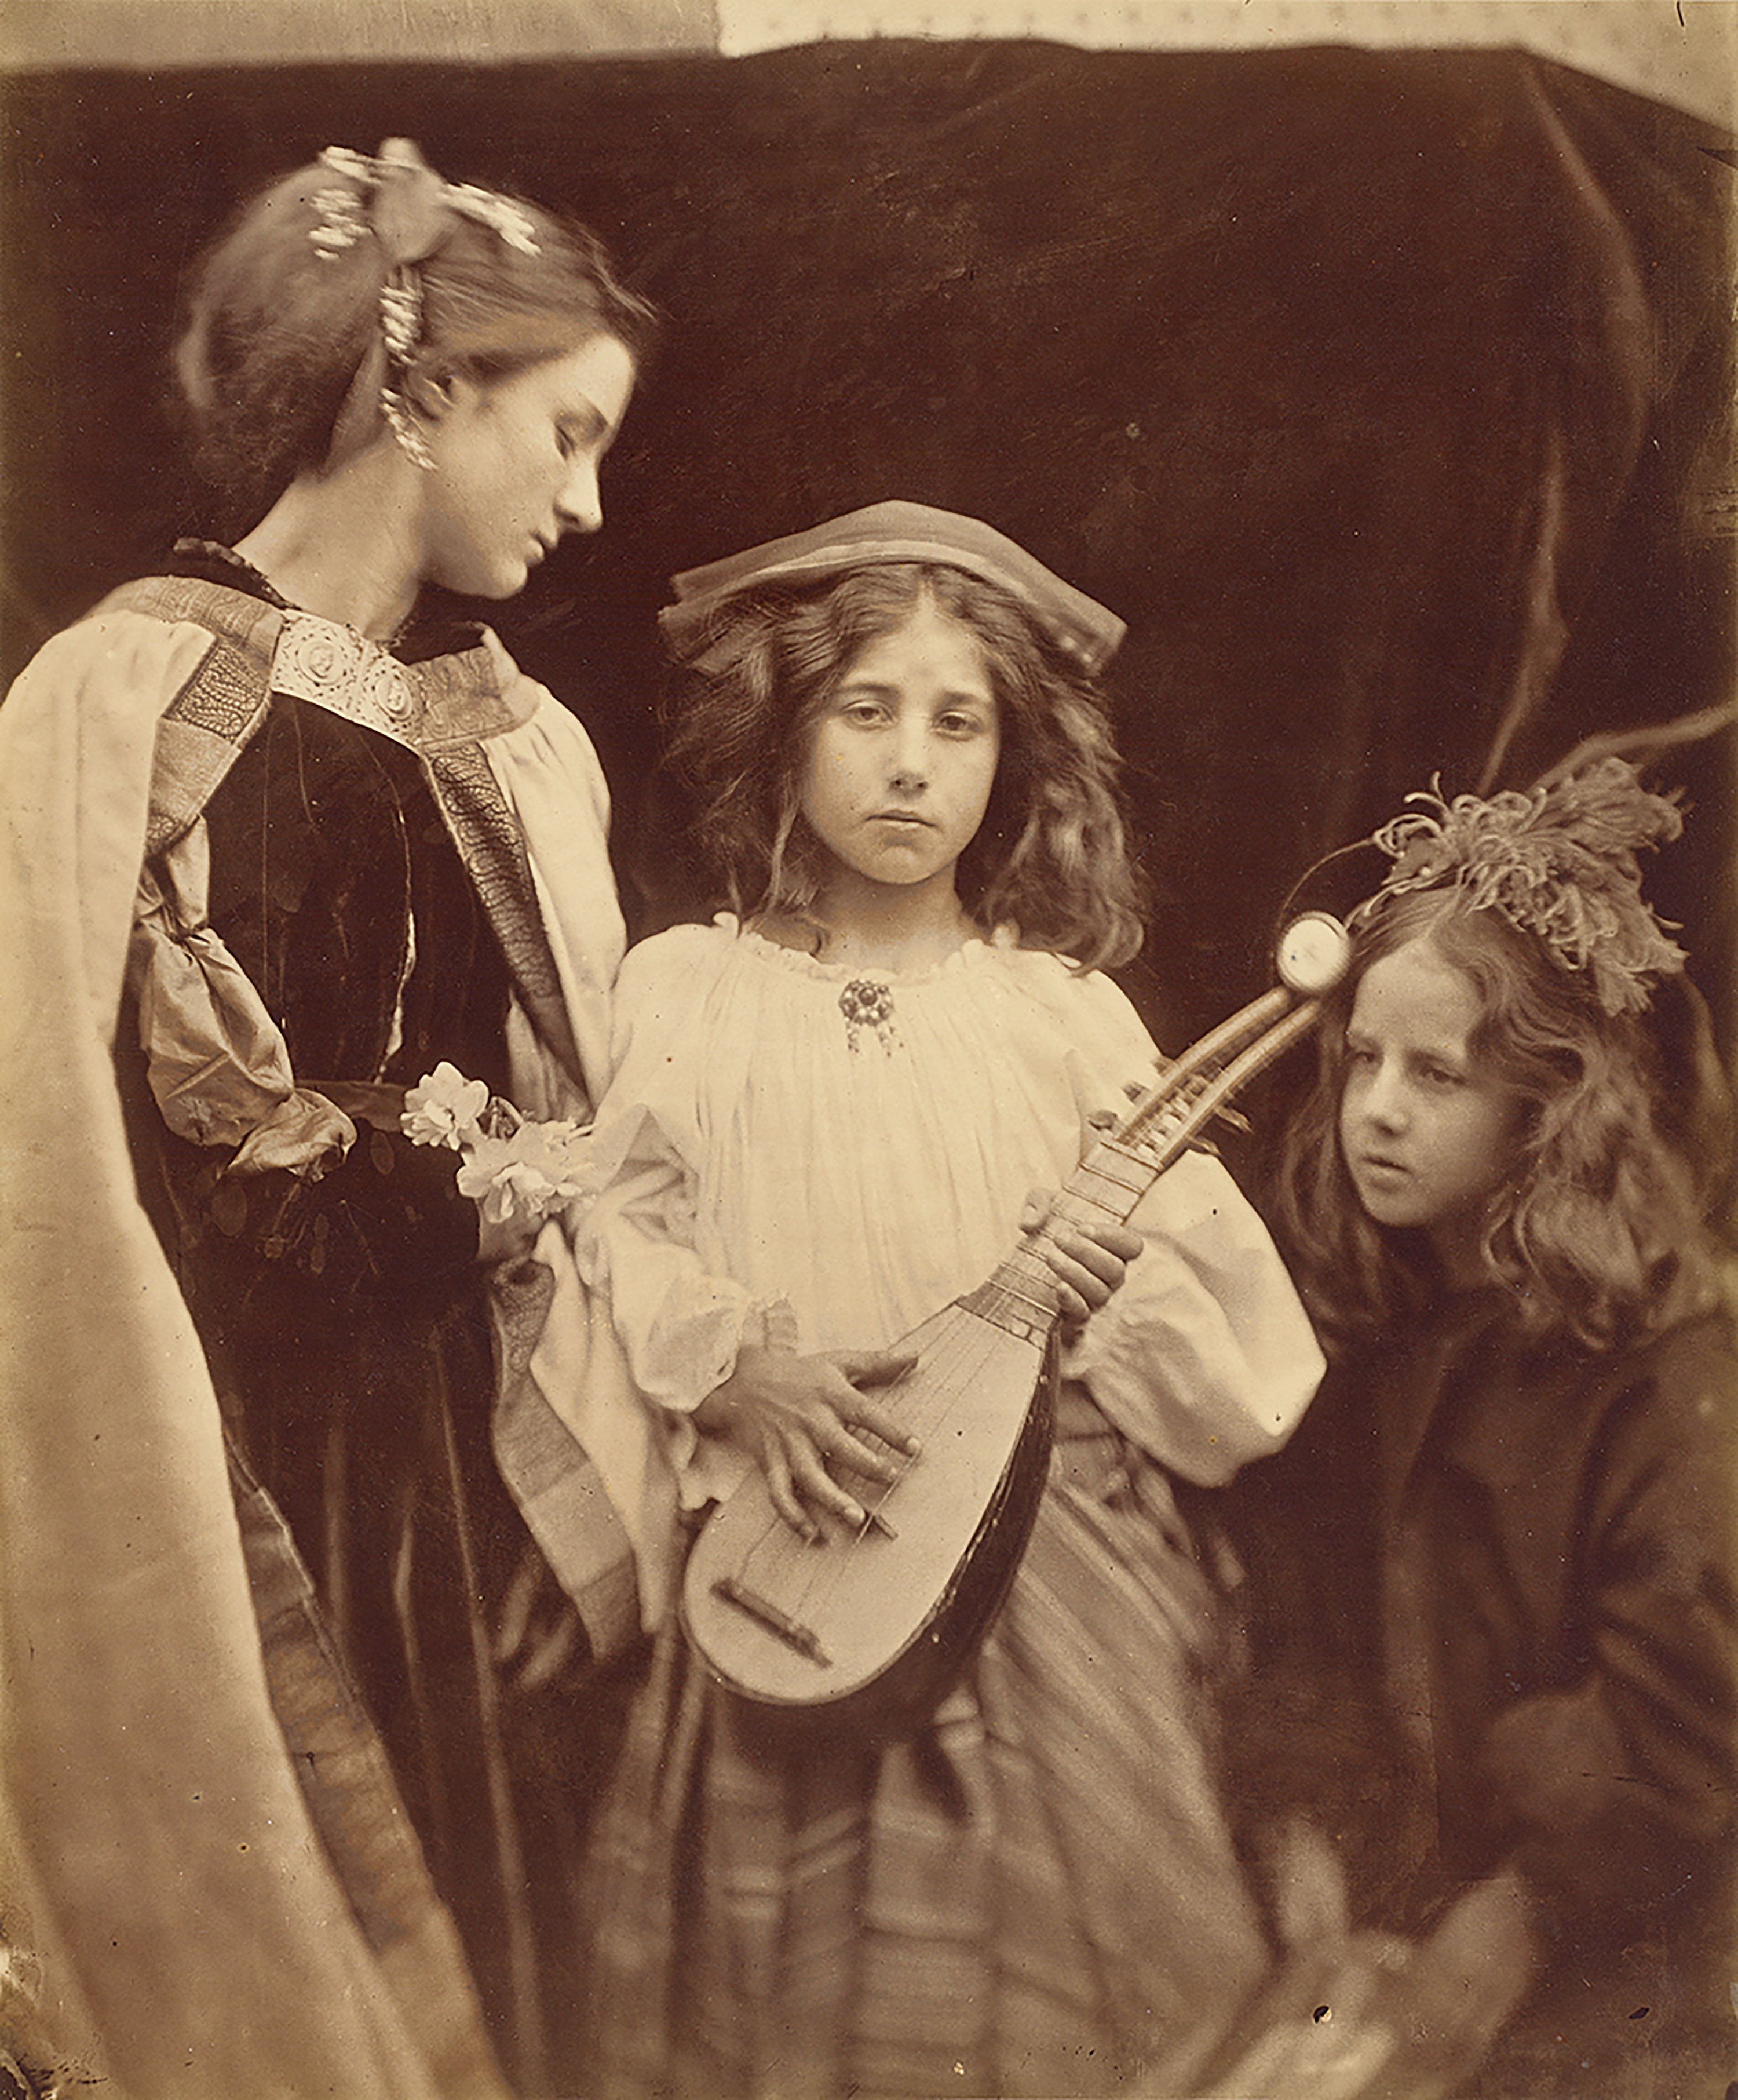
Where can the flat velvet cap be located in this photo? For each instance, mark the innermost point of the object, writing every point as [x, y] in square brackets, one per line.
[893, 532]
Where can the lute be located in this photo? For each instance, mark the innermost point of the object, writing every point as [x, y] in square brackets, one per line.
[867, 1625]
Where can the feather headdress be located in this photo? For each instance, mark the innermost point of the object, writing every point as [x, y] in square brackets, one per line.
[1559, 861]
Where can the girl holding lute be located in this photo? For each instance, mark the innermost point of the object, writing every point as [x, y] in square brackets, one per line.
[827, 1110]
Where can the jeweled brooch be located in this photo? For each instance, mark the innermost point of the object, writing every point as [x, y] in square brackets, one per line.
[866, 1004]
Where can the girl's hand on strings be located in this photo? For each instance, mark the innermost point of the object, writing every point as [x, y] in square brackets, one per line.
[795, 1415]
[1088, 1262]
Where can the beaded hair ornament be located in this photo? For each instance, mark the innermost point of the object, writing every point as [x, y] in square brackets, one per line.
[394, 197]
[1559, 862]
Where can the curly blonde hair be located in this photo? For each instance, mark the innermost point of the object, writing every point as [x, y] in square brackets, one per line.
[1050, 857]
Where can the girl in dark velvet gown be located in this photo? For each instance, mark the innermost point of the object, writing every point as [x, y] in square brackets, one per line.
[275, 848]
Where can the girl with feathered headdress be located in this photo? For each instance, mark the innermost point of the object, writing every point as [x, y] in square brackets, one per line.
[1505, 1531]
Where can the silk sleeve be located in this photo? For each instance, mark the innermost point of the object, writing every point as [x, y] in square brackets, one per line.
[218, 1065]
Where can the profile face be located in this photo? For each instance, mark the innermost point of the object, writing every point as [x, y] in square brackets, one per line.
[1428, 1136]
[900, 762]
[516, 466]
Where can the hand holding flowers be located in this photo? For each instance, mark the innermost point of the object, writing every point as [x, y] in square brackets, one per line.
[518, 1171]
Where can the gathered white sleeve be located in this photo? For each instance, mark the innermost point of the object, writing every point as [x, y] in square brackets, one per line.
[680, 1322]
[1206, 1357]
[680, 1317]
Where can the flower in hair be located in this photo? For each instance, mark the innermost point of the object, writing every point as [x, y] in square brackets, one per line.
[1559, 862]
[408, 207]
[502, 214]
[400, 316]
[340, 223]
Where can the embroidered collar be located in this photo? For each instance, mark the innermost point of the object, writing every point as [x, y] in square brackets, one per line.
[338, 669]
[431, 628]
[456, 696]
[442, 700]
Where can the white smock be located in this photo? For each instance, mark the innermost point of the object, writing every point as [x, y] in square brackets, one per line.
[767, 1142]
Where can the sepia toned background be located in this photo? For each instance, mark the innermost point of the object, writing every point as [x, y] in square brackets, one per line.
[1680, 54]
[1374, 361]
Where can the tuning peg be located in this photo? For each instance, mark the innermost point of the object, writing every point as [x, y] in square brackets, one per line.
[1312, 954]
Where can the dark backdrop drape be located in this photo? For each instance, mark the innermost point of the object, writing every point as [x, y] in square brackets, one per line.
[1387, 396]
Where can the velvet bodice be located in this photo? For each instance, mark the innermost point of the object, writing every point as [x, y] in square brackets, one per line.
[337, 888]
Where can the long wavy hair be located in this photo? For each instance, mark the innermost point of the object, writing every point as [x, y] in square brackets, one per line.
[1050, 857]
[1599, 1230]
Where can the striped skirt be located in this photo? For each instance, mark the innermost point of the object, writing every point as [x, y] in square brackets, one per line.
[1034, 1895]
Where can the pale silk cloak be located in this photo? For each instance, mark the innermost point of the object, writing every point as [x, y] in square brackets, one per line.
[159, 1858]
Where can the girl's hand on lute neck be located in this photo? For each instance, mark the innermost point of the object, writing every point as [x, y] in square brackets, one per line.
[1088, 1262]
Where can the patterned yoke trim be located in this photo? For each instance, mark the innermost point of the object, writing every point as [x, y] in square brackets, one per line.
[204, 729]
[441, 709]
[492, 849]
[558, 1489]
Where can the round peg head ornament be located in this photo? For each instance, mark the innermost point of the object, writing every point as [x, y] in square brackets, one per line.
[1312, 954]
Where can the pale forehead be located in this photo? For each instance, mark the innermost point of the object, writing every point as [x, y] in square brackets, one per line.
[1414, 997]
[928, 642]
[598, 375]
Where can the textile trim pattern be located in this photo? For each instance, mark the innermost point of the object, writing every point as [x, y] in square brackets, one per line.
[488, 836]
[424, 705]
[205, 727]
[558, 1487]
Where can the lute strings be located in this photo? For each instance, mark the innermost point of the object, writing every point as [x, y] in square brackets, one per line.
[1160, 1126]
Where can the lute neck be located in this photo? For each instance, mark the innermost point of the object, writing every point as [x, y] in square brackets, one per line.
[1021, 1296]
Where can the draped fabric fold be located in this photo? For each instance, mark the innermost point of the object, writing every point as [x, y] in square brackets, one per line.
[198, 1526]
[165, 1851]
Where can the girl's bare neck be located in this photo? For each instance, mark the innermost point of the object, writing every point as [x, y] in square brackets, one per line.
[342, 546]
[892, 931]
